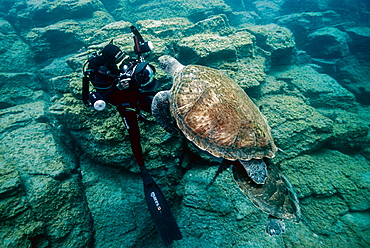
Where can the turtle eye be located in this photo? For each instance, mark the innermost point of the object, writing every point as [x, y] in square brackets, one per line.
[163, 66]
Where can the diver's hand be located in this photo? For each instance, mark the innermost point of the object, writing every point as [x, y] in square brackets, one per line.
[123, 83]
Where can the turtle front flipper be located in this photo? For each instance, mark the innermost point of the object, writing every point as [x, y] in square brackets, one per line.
[256, 169]
[161, 111]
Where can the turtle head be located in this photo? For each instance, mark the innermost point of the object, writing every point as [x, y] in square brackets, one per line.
[170, 65]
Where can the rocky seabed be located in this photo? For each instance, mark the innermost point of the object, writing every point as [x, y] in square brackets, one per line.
[67, 174]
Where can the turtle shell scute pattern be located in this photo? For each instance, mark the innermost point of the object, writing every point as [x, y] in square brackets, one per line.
[217, 115]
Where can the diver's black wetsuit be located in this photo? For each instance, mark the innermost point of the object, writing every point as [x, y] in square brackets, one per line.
[128, 101]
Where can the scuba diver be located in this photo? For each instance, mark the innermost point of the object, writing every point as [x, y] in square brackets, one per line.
[129, 87]
[125, 87]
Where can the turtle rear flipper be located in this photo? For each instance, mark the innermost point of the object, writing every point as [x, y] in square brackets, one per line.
[256, 169]
[161, 111]
[276, 197]
[275, 226]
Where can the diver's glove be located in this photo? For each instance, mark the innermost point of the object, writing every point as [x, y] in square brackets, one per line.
[123, 82]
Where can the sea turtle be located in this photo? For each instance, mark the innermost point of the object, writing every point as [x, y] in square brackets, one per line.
[215, 114]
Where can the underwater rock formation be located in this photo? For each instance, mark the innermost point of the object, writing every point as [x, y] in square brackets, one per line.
[67, 174]
[15, 54]
[302, 24]
[277, 41]
[335, 181]
[42, 199]
[328, 43]
[161, 9]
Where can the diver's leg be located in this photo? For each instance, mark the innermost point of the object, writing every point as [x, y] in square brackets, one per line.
[159, 209]
[130, 119]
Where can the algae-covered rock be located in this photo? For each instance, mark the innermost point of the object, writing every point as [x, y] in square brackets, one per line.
[273, 37]
[61, 205]
[360, 38]
[318, 90]
[104, 137]
[56, 77]
[238, 50]
[244, 43]
[328, 98]
[333, 186]
[276, 40]
[248, 72]
[26, 15]
[41, 189]
[179, 27]
[349, 131]
[355, 76]
[243, 19]
[296, 127]
[117, 205]
[214, 24]
[354, 12]
[206, 38]
[162, 9]
[20, 88]
[72, 22]
[15, 54]
[329, 43]
[205, 48]
[324, 213]
[44, 44]
[112, 30]
[78, 33]
[11, 192]
[326, 173]
[23, 231]
[291, 6]
[302, 24]
[116, 201]
[359, 222]
[166, 28]
[267, 10]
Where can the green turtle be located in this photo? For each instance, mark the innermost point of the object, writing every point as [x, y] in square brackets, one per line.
[215, 114]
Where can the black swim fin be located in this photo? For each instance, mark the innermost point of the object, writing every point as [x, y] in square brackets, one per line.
[160, 211]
